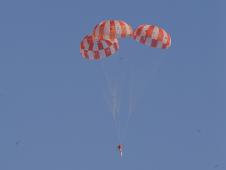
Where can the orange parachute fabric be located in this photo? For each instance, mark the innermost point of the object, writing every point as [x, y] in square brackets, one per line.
[92, 49]
[112, 29]
[152, 36]
[103, 41]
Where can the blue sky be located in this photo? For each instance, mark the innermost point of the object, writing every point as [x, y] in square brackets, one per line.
[53, 106]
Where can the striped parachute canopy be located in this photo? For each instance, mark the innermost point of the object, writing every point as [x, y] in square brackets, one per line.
[112, 29]
[152, 36]
[92, 49]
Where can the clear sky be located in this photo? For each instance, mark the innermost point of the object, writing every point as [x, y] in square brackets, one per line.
[53, 109]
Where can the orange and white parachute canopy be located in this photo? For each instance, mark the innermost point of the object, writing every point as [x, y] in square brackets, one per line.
[112, 29]
[92, 49]
[152, 36]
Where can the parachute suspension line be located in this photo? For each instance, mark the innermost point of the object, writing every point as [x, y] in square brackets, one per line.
[116, 110]
[130, 112]
[131, 104]
[114, 101]
[125, 76]
[131, 99]
[106, 77]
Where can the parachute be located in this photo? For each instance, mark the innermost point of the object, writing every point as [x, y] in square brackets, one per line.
[112, 29]
[103, 42]
[92, 49]
[152, 36]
